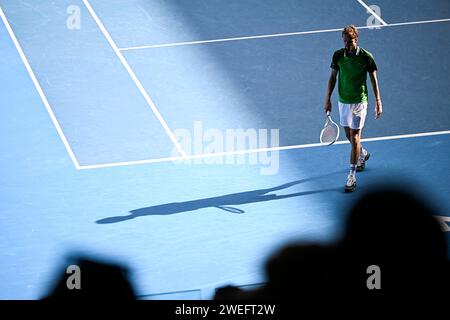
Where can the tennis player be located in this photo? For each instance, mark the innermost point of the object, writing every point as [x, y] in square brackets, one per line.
[351, 64]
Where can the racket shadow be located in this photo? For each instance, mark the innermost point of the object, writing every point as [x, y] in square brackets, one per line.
[225, 202]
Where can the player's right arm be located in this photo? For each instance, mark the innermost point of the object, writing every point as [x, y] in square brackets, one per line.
[331, 85]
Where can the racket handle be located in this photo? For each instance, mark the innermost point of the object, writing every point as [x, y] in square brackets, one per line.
[328, 113]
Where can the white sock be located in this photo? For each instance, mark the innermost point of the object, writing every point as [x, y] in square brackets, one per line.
[362, 153]
[353, 169]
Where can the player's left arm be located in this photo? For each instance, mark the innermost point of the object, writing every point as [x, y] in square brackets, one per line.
[376, 92]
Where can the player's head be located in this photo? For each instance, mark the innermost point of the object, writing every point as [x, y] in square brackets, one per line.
[350, 37]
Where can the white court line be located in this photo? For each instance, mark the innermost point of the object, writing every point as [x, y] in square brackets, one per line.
[265, 36]
[372, 12]
[221, 154]
[135, 78]
[413, 22]
[39, 90]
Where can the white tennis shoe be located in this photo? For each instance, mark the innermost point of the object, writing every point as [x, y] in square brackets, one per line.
[362, 160]
[350, 186]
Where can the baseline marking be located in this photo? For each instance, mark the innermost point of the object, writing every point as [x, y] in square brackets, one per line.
[134, 77]
[39, 89]
[221, 154]
[276, 35]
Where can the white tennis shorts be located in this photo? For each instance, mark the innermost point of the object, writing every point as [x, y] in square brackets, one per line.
[353, 115]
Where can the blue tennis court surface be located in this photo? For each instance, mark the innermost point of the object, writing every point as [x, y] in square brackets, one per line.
[111, 110]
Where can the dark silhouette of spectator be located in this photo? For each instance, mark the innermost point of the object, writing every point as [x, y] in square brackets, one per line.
[99, 280]
[393, 229]
[299, 271]
[229, 292]
[393, 246]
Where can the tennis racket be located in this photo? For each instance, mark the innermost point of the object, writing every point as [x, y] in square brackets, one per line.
[330, 132]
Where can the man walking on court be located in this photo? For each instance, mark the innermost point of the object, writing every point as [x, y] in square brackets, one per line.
[352, 63]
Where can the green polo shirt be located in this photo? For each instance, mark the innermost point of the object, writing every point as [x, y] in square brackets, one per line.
[352, 74]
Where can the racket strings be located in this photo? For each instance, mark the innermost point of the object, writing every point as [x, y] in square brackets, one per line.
[329, 133]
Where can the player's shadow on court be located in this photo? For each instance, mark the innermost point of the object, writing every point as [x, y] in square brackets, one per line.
[225, 202]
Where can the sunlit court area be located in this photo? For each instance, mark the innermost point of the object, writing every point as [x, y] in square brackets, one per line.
[181, 139]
